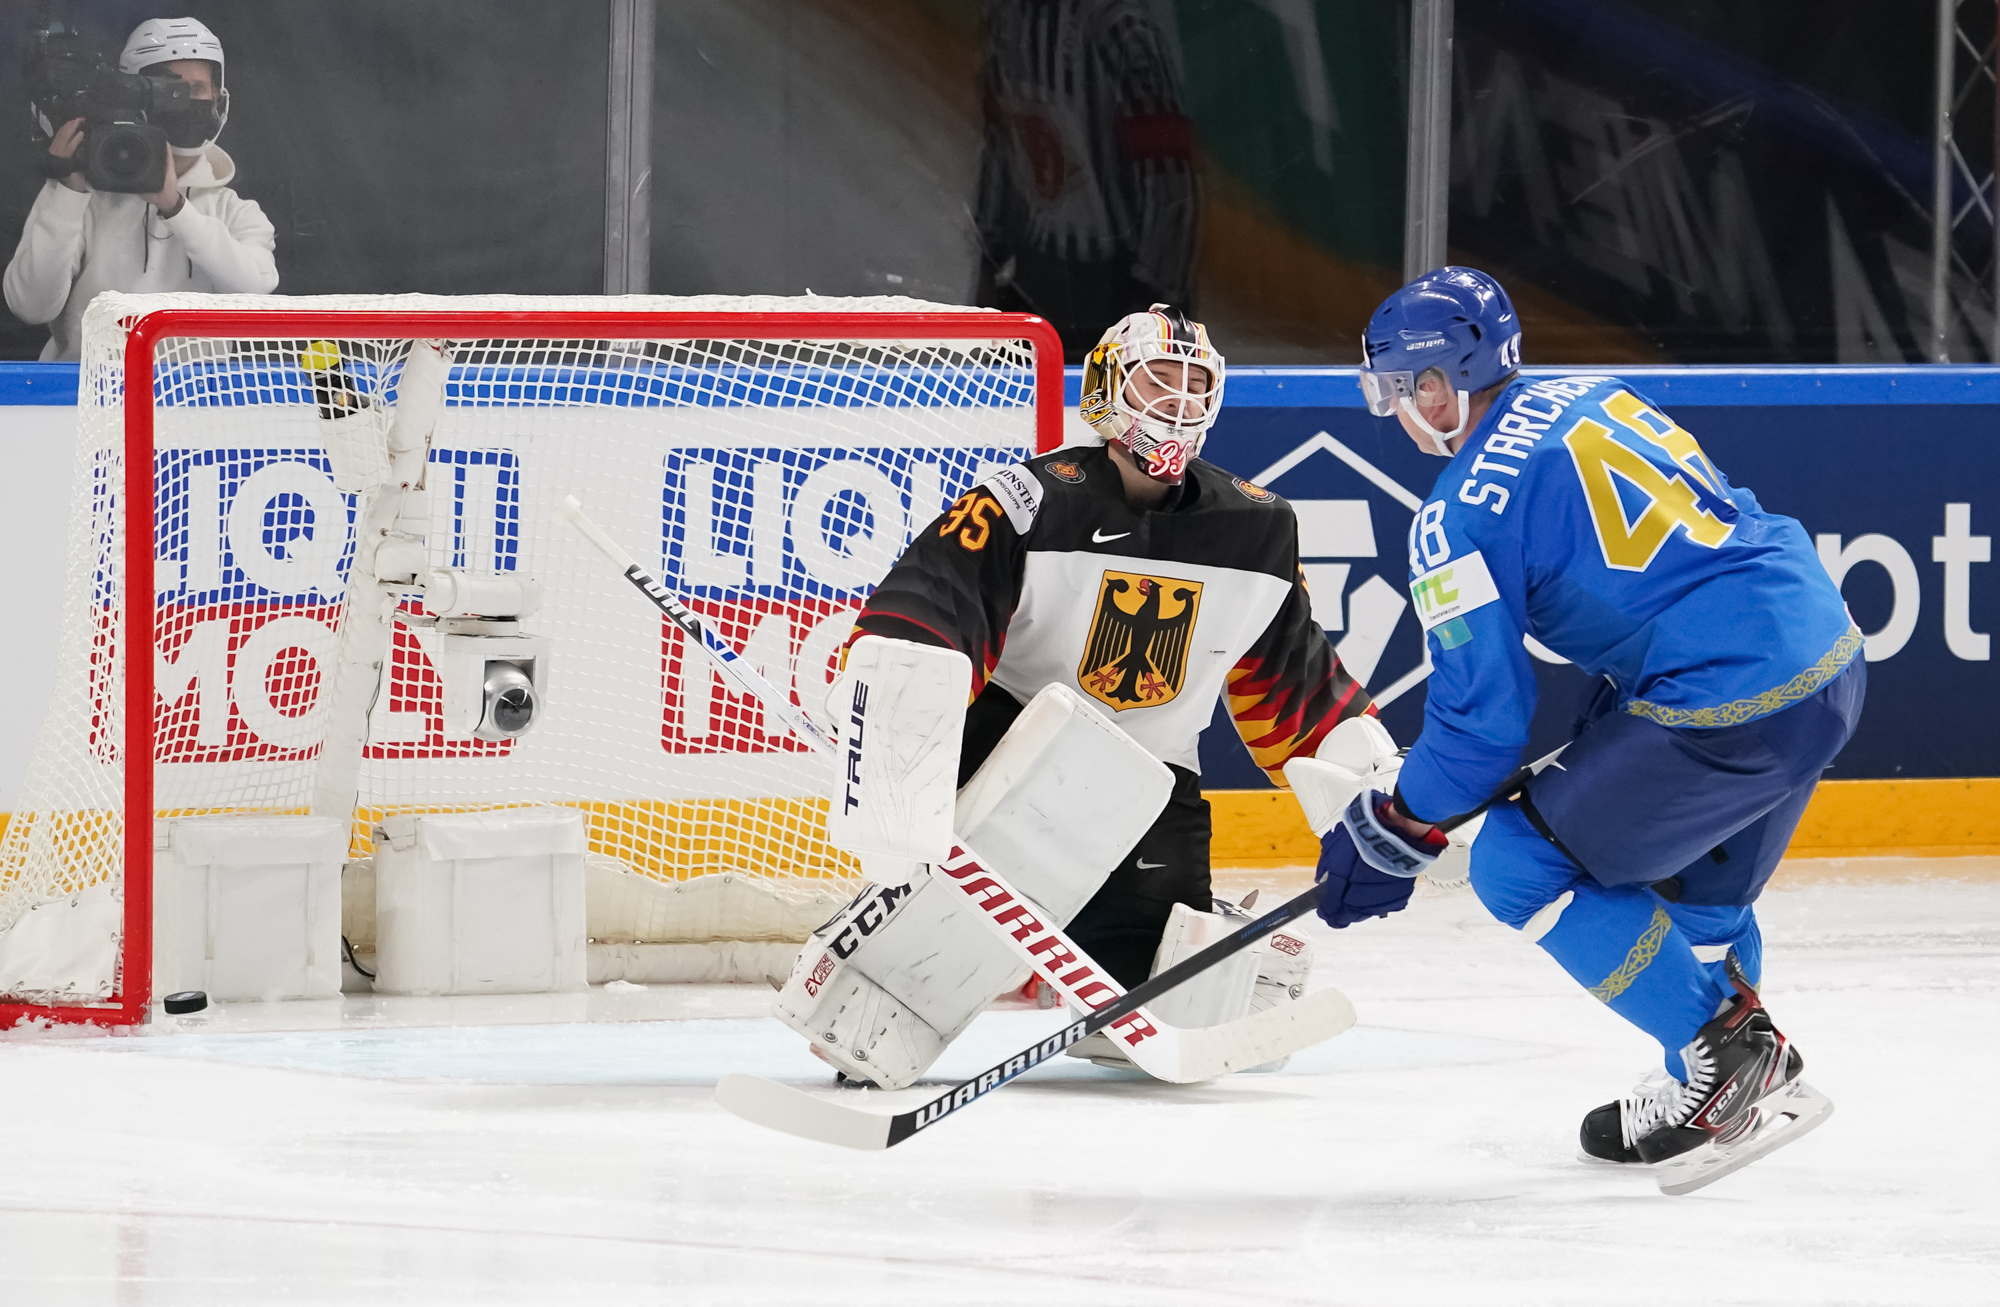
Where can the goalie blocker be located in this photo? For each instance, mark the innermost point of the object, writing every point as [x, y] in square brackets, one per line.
[882, 988]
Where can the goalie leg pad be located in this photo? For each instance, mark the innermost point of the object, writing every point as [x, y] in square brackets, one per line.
[1056, 806]
[1061, 801]
[1218, 995]
[1283, 970]
[850, 1020]
[899, 710]
[1278, 967]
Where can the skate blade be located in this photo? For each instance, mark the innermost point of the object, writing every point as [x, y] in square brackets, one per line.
[1783, 1117]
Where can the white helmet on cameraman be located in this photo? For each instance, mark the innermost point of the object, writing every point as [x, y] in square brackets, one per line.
[1166, 425]
[164, 40]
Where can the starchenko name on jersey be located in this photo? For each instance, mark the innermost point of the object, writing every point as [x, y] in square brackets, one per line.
[1583, 515]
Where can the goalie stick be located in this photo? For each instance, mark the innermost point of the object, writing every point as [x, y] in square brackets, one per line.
[1164, 1051]
[781, 1107]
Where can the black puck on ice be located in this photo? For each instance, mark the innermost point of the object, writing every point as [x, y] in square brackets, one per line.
[188, 1000]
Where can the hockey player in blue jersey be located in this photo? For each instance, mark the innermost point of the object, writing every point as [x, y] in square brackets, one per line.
[1575, 511]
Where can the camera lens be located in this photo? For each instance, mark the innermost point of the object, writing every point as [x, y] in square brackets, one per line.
[510, 702]
[124, 156]
[513, 710]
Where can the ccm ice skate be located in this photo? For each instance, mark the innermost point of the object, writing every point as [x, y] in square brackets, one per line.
[1742, 1099]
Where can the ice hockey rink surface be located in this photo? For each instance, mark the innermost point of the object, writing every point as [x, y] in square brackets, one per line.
[566, 1151]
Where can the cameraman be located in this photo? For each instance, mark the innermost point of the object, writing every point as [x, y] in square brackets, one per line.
[194, 234]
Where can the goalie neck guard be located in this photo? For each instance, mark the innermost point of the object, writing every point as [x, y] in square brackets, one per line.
[1154, 385]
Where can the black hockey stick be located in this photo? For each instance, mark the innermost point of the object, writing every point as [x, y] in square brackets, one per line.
[793, 1111]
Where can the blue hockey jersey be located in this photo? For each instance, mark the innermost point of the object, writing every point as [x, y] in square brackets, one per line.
[1580, 514]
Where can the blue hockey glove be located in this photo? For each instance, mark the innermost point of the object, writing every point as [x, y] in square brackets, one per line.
[1355, 858]
[1382, 844]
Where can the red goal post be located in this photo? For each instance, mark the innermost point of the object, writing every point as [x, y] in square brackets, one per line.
[218, 321]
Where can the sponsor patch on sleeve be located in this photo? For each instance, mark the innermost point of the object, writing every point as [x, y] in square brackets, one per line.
[1019, 494]
[1452, 590]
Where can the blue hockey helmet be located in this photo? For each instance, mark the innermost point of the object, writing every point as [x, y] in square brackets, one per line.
[1457, 320]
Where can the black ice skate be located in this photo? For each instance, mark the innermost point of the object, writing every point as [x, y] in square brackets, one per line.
[1743, 1098]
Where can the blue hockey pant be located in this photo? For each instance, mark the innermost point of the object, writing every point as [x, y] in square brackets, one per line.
[1636, 861]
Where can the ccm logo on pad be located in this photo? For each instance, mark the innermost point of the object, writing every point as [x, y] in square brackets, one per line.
[876, 911]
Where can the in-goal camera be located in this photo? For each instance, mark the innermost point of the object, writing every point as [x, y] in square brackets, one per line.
[493, 675]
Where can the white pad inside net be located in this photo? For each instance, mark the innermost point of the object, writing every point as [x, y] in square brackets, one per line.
[769, 482]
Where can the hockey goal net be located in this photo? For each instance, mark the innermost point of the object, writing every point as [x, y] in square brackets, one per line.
[770, 458]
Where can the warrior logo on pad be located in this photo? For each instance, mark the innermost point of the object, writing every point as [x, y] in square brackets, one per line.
[1136, 653]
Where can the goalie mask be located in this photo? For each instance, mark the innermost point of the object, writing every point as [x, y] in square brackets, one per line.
[1154, 385]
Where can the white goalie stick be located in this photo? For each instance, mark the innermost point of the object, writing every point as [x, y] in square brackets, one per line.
[781, 1107]
[1164, 1051]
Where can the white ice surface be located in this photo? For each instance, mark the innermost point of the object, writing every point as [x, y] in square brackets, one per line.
[1425, 1157]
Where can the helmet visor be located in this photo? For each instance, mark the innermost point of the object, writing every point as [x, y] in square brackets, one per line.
[1383, 389]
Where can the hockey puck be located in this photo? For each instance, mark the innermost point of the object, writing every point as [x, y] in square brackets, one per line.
[188, 1000]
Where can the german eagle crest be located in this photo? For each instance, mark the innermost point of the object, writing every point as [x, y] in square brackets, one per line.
[1136, 653]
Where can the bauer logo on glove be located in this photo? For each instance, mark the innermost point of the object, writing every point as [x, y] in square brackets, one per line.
[1381, 845]
[1366, 868]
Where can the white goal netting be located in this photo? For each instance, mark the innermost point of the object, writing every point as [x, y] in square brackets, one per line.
[772, 482]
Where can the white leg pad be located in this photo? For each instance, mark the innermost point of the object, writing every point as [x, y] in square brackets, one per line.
[901, 971]
[1221, 993]
[899, 710]
[1270, 972]
[1061, 800]
[1283, 970]
[852, 1022]
[1218, 995]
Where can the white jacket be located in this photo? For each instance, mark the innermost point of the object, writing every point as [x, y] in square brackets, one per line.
[78, 243]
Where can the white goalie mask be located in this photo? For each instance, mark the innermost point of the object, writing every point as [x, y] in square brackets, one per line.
[1154, 385]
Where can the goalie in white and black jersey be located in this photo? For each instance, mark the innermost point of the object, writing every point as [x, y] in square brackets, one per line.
[1128, 581]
